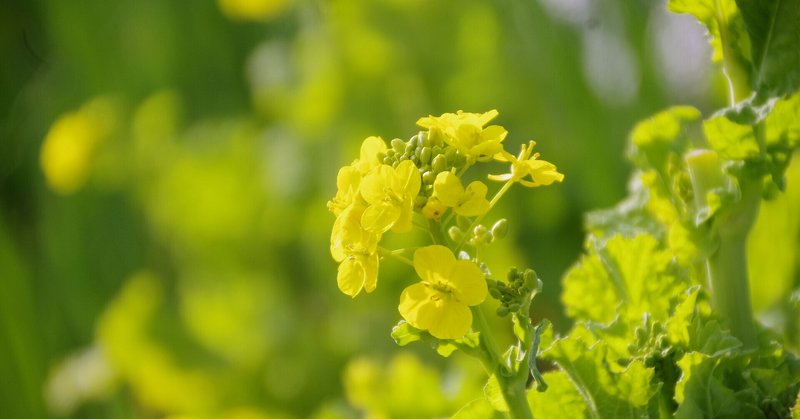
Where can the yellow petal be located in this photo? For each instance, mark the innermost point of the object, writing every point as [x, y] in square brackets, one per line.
[404, 220]
[370, 266]
[368, 159]
[501, 178]
[373, 185]
[474, 200]
[468, 283]
[417, 305]
[432, 262]
[350, 278]
[406, 181]
[380, 217]
[449, 320]
[434, 208]
[448, 189]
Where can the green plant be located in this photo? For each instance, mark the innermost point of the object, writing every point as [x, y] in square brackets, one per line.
[664, 324]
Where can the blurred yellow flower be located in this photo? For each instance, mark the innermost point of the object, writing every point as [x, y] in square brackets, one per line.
[68, 150]
[390, 193]
[468, 202]
[440, 302]
[255, 10]
[542, 173]
[465, 131]
[357, 251]
[434, 208]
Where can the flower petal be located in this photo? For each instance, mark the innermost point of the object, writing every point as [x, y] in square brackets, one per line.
[406, 181]
[468, 282]
[474, 202]
[350, 277]
[447, 187]
[380, 217]
[433, 262]
[370, 265]
[373, 186]
[404, 220]
[416, 305]
[449, 320]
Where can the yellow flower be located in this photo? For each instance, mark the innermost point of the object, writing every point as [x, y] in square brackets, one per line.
[440, 303]
[465, 131]
[541, 172]
[357, 251]
[468, 202]
[390, 193]
[347, 182]
[433, 209]
[253, 10]
[71, 144]
[371, 147]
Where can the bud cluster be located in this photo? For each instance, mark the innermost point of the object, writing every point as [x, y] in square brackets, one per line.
[479, 235]
[430, 154]
[516, 293]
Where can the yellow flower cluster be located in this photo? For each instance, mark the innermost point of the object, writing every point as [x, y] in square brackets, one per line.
[415, 183]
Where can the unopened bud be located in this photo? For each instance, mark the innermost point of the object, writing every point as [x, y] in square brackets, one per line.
[500, 228]
[455, 233]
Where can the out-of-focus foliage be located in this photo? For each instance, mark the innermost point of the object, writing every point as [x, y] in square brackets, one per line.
[163, 169]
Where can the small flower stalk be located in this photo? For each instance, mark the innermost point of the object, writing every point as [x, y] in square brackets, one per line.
[423, 183]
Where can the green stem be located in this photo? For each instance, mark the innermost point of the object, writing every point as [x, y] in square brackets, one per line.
[492, 203]
[395, 254]
[512, 387]
[727, 267]
[436, 232]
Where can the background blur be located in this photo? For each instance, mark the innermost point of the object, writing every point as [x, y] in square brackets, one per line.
[164, 168]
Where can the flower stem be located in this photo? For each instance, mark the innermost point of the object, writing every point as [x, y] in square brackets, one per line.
[492, 203]
[396, 254]
[512, 387]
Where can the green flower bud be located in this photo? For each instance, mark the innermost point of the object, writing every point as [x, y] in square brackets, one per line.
[495, 292]
[450, 155]
[480, 231]
[420, 201]
[513, 307]
[409, 150]
[414, 141]
[512, 273]
[436, 150]
[455, 233]
[439, 164]
[500, 228]
[502, 311]
[428, 177]
[398, 145]
[425, 139]
[425, 155]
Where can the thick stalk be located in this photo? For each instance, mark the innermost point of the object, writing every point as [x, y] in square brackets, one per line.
[727, 267]
[513, 389]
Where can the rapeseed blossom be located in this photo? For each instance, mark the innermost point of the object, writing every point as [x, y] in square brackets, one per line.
[542, 173]
[440, 302]
[468, 202]
[390, 193]
[466, 132]
[356, 250]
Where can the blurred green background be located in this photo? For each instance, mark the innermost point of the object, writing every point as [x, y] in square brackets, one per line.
[166, 253]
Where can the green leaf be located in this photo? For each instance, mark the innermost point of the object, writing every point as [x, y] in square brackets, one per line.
[774, 30]
[701, 392]
[658, 138]
[783, 124]
[561, 400]
[627, 277]
[494, 394]
[478, 408]
[731, 140]
[403, 333]
[605, 393]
